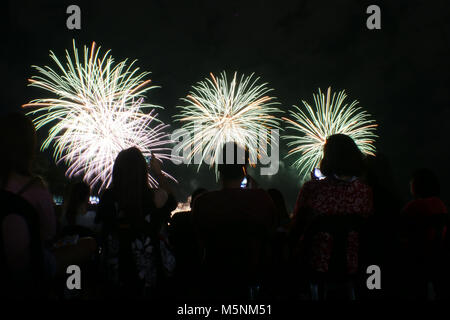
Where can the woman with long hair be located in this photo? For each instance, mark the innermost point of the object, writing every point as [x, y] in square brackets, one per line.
[340, 193]
[133, 217]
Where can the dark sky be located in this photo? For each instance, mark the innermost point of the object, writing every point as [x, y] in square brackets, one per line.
[400, 74]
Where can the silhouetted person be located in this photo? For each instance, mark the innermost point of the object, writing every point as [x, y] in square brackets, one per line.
[233, 226]
[134, 217]
[379, 238]
[27, 217]
[425, 189]
[340, 193]
[27, 206]
[75, 206]
[183, 240]
[425, 225]
[379, 176]
[280, 278]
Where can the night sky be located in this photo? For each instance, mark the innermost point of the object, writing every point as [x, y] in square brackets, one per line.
[400, 74]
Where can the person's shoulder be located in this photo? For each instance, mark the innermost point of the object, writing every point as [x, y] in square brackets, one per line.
[215, 196]
[258, 196]
[243, 193]
[208, 197]
[258, 192]
[409, 204]
[36, 183]
[441, 204]
[209, 194]
[435, 205]
[231, 193]
[37, 188]
[315, 184]
[360, 184]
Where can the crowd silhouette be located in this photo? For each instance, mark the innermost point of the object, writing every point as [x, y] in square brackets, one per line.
[236, 242]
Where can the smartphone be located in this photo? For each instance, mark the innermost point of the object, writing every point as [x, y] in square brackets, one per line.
[244, 183]
[58, 200]
[318, 174]
[94, 200]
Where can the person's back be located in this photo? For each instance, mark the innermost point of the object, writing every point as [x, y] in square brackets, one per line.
[222, 206]
[424, 223]
[33, 190]
[27, 202]
[426, 204]
[184, 243]
[334, 196]
[21, 258]
[340, 193]
[379, 237]
[133, 215]
[234, 226]
[75, 207]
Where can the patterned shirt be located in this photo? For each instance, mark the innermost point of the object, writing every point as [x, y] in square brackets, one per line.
[332, 197]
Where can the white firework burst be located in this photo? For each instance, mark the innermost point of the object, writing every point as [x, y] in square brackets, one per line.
[96, 111]
[330, 116]
[218, 112]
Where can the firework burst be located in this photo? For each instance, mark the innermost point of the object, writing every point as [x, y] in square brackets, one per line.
[330, 116]
[96, 111]
[219, 111]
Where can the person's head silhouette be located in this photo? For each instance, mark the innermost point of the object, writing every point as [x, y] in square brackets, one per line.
[130, 181]
[197, 192]
[234, 160]
[341, 157]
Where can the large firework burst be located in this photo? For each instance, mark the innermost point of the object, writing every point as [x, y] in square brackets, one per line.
[219, 111]
[96, 111]
[330, 116]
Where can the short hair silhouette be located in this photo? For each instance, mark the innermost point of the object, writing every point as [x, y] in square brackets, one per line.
[234, 162]
[341, 156]
[425, 183]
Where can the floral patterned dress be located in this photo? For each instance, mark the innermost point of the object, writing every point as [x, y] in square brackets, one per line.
[135, 257]
[332, 196]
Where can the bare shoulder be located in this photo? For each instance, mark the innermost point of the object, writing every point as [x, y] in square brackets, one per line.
[37, 189]
[38, 184]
